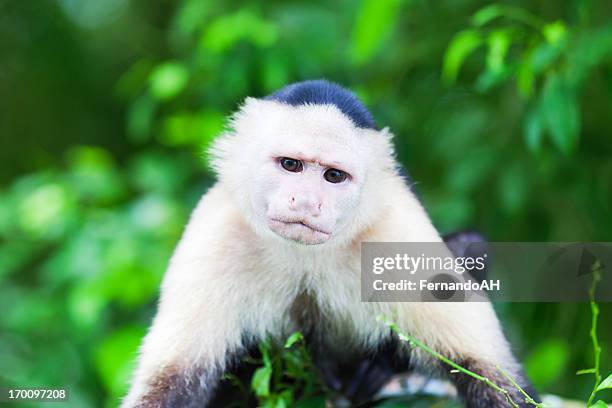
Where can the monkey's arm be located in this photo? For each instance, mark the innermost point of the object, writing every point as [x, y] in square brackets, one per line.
[467, 333]
[197, 328]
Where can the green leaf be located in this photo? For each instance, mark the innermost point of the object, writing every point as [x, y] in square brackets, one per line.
[191, 129]
[543, 57]
[294, 338]
[587, 52]
[93, 174]
[374, 23]
[86, 305]
[561, 113]
[46, 210]
[532, 131]
[282, 400]
[244, 25]
[499, 42]
[490, 78]
[554, 32]
[191, 15]
[462, 45]
[168, 80]
[265, 349]
[260, 383]
[489, 13]
[547, 362]
[599, 404]
[525, 77]
[605, 384]
[274, 401]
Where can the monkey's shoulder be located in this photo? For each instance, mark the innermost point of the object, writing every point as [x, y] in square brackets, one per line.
[215, 236]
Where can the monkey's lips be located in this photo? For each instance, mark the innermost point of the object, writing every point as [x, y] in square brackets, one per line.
[299, 230]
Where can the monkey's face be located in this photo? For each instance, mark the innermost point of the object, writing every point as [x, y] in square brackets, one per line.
[308, 200]
[302, 173]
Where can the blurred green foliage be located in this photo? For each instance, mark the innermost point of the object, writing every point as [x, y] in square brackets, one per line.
[501, 114]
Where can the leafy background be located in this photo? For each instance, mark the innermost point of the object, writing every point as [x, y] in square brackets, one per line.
[501, 111]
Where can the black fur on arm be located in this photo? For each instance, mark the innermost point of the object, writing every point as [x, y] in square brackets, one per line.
[198, 387]
[179, 388]
[478, 394]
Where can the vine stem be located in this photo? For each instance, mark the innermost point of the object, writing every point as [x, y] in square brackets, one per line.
[528, 398]
[593, 332]
[414, 342]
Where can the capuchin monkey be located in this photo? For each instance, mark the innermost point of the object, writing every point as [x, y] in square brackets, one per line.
[304, 177]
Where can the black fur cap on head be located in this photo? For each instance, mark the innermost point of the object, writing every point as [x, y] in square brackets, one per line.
[322, 92]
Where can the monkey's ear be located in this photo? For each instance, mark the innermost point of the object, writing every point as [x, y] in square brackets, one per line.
[386, 132]
[381, 145]
[247, 110]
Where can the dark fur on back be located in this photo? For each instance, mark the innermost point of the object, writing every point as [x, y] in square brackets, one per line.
[322, 92]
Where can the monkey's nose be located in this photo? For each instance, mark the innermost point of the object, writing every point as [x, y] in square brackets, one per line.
[306, 205]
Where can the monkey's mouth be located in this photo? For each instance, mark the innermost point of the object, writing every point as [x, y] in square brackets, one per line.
[299, 230]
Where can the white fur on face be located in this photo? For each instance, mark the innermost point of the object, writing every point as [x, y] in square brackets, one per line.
[301, 206]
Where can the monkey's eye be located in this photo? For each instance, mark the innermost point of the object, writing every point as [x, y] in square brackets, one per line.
[292, 165]
[335, 176]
